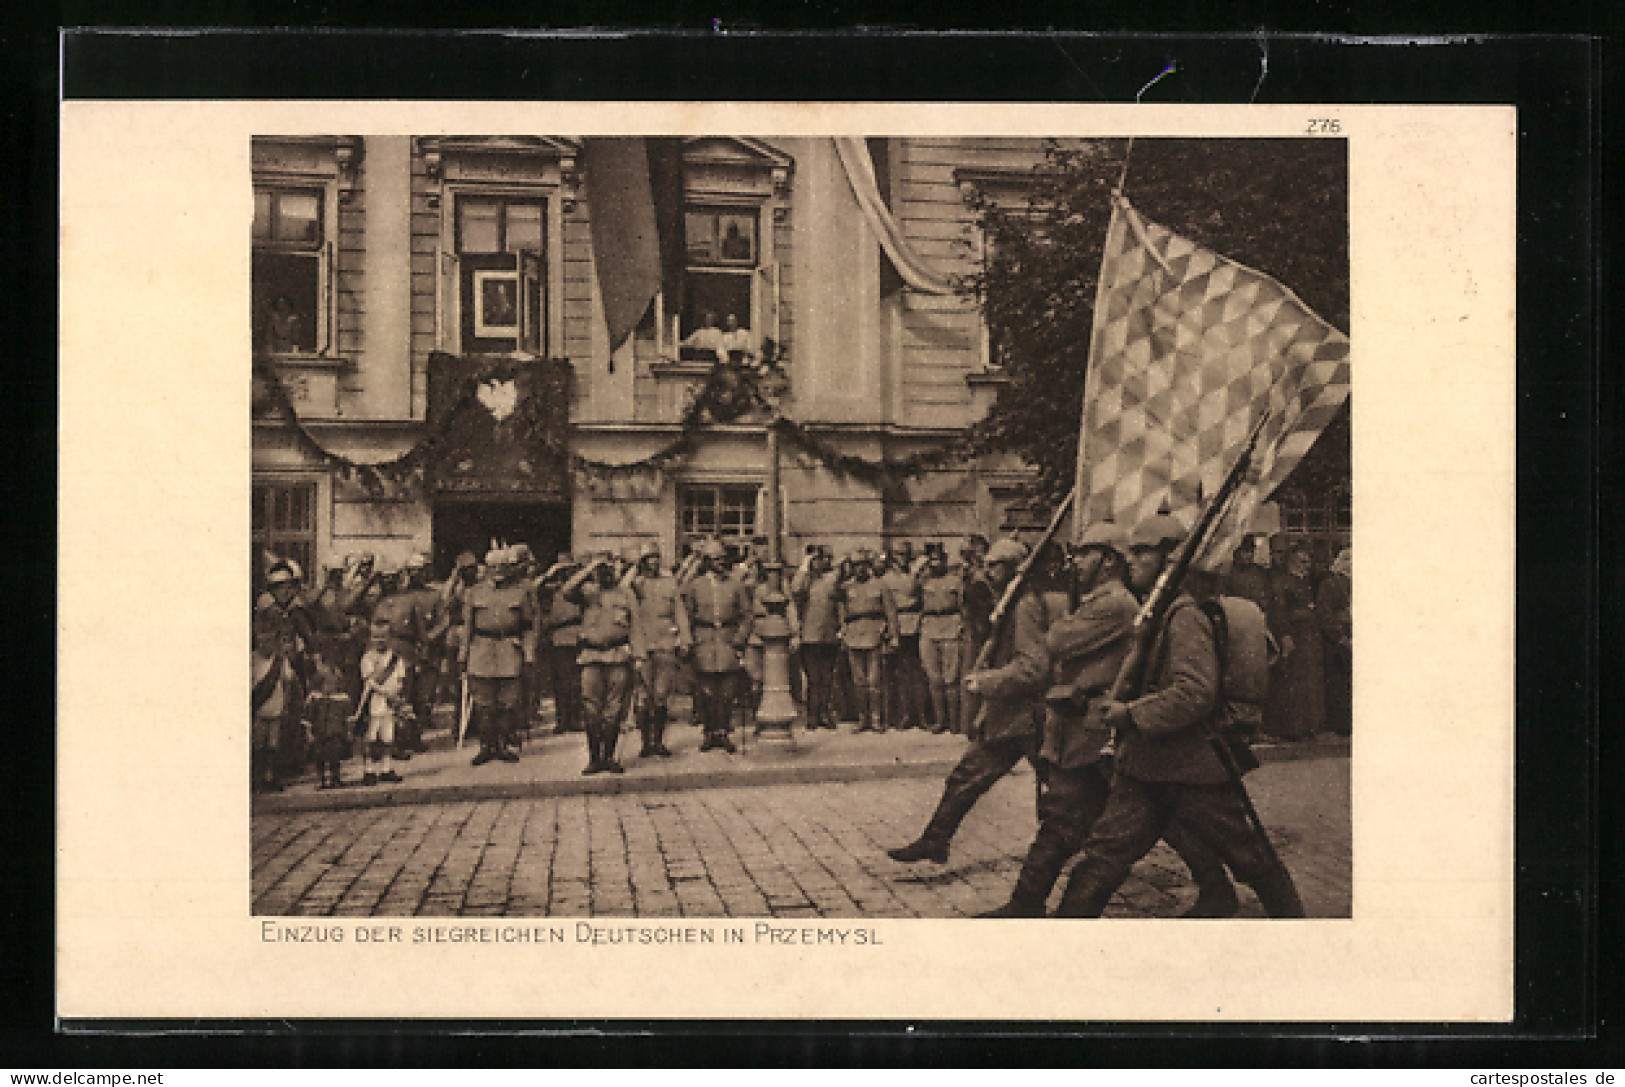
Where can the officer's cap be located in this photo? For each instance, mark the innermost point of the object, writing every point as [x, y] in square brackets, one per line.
[1104, 534]
[280, 572]
[1008, 549]
[1157, 531]
[649, 550]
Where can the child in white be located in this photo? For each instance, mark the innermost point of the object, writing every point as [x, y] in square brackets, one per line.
[383, 675]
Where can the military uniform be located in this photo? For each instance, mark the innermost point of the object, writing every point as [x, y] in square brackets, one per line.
[1006, 725]
[868, 626]
[499, 622]
[820, 641]
[563, 628]
[663, 621]
[905, 680]
[1167, 769]
[720, 617]
[941, 643]
[611, 640]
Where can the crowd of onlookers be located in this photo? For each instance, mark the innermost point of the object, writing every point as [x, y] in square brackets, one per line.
[355, 667]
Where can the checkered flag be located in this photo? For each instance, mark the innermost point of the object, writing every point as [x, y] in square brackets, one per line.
[1190, 350]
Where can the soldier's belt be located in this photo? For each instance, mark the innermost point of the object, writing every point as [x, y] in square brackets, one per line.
[563, 626]
[714, 626]
[908, 611]
[950, 611]
[867, 615]
[496, 635]
[614, 643]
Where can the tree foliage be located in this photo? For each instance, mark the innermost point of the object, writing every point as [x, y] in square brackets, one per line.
[1279, 206]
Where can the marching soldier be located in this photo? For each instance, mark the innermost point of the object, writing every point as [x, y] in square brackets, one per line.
[563, 630]
[1004, 732]
[1166, 765]
[720, 619]
[814, 590]
[498, 638]
[868, 629]
[611, 641]
[903, 675]
[666, 636]
[942, 596]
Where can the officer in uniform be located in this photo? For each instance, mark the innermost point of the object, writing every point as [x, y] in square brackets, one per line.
[498, 638]
[814, 590]
[868, 629]
[1005, 730]
[719, 614]
[663, 621]
[904, 680]
[1166, 767]
[942, 595]
[563, 629]
[611, 641]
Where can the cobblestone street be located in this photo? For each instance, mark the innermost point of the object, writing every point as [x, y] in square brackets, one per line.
[798, 850]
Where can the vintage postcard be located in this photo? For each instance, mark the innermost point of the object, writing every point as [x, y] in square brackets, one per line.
[740, 560]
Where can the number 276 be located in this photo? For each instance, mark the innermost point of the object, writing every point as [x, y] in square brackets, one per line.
[1323, 126]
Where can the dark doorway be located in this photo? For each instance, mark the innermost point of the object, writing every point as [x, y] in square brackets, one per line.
[463, 524]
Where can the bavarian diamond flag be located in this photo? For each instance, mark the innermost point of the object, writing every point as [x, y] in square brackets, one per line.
[1189, 351]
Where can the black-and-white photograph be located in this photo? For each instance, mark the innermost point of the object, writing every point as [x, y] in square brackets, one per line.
[800, 527]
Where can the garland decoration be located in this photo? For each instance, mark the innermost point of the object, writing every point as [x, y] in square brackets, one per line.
[733, 389]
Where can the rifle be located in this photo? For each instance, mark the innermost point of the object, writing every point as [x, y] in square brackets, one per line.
[1131, 676]
[1007, 599]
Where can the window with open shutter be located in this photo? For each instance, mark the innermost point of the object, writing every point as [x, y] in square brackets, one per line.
[292, 258]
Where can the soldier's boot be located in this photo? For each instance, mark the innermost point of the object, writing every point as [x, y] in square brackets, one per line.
[933, 842]
[506, 738]
[1086, 895]
[1045, 858]
[1215, 894]
[595, 753]
[657, 728]
[1278, 894]
[611, 735]
[646, 726]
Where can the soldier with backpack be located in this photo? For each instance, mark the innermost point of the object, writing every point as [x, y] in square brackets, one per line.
[1176, 751]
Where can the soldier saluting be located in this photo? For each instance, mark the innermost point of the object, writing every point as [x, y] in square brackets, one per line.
[664, 623]
[610, 642]
[1167, 766]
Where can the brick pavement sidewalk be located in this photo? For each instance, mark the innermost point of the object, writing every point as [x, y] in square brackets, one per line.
[551, 766]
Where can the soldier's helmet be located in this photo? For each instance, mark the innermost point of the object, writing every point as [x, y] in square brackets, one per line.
[1160, 531]
[713, 550]
[1008, 549]
[497, 556]
[519, 553]
[1104, 534]
[467, 559]
[280, 571]
[418, 561]
[649, 550]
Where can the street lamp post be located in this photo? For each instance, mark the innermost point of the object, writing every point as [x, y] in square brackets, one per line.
[776, 716]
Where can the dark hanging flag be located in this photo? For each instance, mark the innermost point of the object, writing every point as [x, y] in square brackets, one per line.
[625, 236]
[666, 182]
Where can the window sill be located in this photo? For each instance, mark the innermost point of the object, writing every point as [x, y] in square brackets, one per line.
[309, 360]
[987, 379]
[681, 368]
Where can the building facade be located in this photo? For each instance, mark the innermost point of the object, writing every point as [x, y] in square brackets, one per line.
[376, 259]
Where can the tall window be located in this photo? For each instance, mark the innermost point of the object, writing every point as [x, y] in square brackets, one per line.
[500, 242]
[727, 512]
[722, 254]
[288, 270]
[284, 525]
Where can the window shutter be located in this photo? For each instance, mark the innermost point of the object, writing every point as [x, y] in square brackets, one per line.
[766, 320]
[531, 301]
[447, 325]
[327, 284]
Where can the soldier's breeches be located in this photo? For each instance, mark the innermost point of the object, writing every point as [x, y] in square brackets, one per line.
[564, 676]
[603, 697]
[819, 659]
[1068, 804]
[982, 765]
[662, 676]
[1138, 813]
